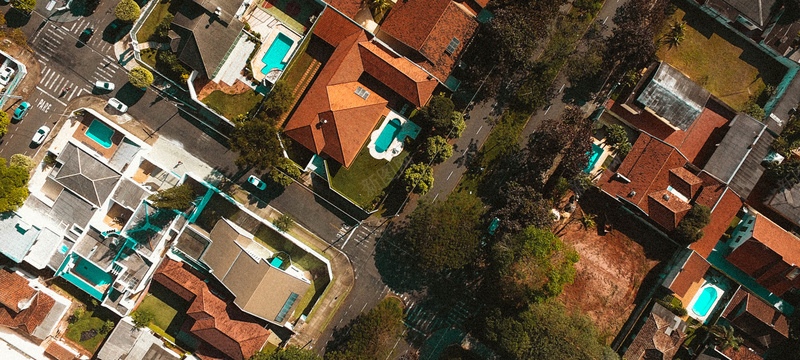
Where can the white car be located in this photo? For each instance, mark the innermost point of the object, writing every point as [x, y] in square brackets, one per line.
[116, 104]
[260, 185]
[38, 138]
[104, 85]
[6, 74]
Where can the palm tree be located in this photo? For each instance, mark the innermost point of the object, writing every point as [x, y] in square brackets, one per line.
[676, 34]
[588, 221]
[380, 6]
[725, 338]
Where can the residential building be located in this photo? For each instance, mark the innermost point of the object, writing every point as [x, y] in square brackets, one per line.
[29, 307]
[761, 325]
[223, 330]
[659, 338]
[767, 253]
[752, 18]
[361, 81]
[687, 277]
[129, 343]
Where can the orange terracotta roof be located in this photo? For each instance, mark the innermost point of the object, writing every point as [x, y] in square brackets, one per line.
[412, 21]
[742, 354]
[722, 214]
[212, 317]
[331, 119]
[482, 3]
[666, 209]
[684, 181]
[757, 319]
[351, 7]
[780, 241]
[59, 352]
[692, 271]
[16, 287]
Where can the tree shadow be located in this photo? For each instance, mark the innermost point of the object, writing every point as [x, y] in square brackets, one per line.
[115, 31]
[398, 268]
[129, 94]
[83, 7]
[16, 18]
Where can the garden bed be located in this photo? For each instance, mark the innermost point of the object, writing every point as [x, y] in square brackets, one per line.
[149, 27]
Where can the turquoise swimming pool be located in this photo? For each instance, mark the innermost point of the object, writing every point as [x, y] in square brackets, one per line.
[273, 58]
[704, 301]
[389, 133]
[100, 133]
[594, 155]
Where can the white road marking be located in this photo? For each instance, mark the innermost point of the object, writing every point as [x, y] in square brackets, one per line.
[451, 174]
[51, 96]
[479, 130]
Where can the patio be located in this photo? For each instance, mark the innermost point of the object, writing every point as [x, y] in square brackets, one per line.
[80, 135]
[294, 13]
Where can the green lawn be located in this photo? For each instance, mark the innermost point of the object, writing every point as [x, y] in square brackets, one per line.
[707, 45]
[163, 313]
[149, 27]
[367, 177]
[231, 106]
[169, 311]
[88, 322]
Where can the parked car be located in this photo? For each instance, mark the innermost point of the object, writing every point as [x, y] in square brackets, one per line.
[116, 104]
[104, 85]
[85, 35]
[5, 75]
[38, 138]
[260, 185]
[21, 110]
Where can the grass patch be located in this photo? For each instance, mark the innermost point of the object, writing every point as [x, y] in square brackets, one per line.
[277, 242]
[90, 320]
[163, 313]
[298, 67]
[149, 27]
[231, 106]
[706, 45]
[364, 182]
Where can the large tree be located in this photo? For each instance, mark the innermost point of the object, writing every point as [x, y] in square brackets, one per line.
[418, 178]
[690, 229]
[437, 150]
[13, 186]
[633, 43]
[278, 102]
[22, 161]
[522, 206]
[140, 77]
[289, 353]
[546, 331]
[127, 11]
[175, 198]
[531, 265]
[445, 235]
[371, 335]
[24, 5]
[257, 142]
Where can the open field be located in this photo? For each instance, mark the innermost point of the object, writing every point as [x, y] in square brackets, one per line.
[711, 55]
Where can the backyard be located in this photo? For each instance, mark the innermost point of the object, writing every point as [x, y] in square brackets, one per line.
[86, 330]
[169, 311]
[231, 106]
[367, 177]
[217, 208]
[706, 45]
[149, 27]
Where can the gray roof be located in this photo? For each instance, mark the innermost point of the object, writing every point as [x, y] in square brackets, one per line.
[84, 175]
[205, 40]
[227, 7]
[50, 321]
[124, 154]
[126, 342]
[68, 208]
[743, 133]
[786, 201]
[58, 257]
[129, 194]
[43, 249]
[673, 96]
[751, 170]
[18, 236]
[757, 11]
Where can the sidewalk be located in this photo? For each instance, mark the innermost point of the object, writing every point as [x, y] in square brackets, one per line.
[340, 286]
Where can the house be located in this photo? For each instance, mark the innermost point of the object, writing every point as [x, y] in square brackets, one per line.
[767, 253]
[225, 332]
[361, 81]
[760, 324]
[260, 287]
[659, 338]
[29, 307]
[129, 343]
[749, 17]
[685, 279]
[432, 33]
[206, 30]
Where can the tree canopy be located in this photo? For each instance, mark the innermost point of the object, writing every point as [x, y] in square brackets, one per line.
[5, 120]
[140, 77]
[633, 44]
[370, 335]
[437, 114]
[437, 150]
[690, 229]
[284, 172]
[418, 178]
[175, 198]
[24, 5]
[257, 142]
[289, 353]
[22, 161]
[445, 235]
[13, 186]
[127, 11]
[546, 331]
[279, 101]
[532, 265]
[521, 206]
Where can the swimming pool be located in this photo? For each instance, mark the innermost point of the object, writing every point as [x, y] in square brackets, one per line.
[273, 58]
[704, 301]
[389, 133]
[594, 155]
[100, 133]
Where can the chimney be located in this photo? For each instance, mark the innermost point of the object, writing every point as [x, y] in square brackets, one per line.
[666, 197]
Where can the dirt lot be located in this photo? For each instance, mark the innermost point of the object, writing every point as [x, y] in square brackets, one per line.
[613, 266]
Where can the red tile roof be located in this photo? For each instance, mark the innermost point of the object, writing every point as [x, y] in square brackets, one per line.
[723, 213]
[666, 209]
[692, 271]
[331, 119]
[428, 26]
[684, 181]
[212, 317]
[780, 241]
[59, 352]
[348, 7]
[16, 291]
[742, 354]
[653, 337]
[757, 319]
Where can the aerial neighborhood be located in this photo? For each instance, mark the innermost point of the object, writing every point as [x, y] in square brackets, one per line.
[399, 179]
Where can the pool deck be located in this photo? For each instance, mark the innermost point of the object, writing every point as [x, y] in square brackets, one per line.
[80, 135]
[269, 27]
[409, 129]
[713, 306]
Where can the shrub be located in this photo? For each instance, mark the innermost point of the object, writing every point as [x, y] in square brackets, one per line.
[140, 77]
[127, 11]
[284, 222]
[690, 229]
[24, 5]
[5, 120]
[162, 30]
[284, 172]
[142, 318]
[107, 326]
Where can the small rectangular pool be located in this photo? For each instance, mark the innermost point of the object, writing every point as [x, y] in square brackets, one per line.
[388, 135]
[273, 58]
[594, 156]
[100, 133]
